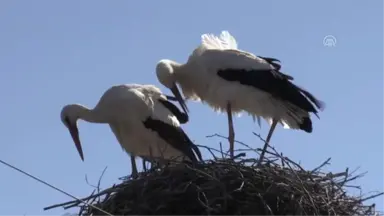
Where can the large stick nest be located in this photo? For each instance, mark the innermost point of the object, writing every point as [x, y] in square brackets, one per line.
[222, 186]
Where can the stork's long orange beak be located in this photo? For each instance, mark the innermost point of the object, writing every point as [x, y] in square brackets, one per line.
[179, 98]
[75, 136]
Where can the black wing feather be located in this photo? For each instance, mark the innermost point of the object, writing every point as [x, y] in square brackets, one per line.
[181, 117]
[277, 66]
[279, 87]
[272, 61]
[174, 136]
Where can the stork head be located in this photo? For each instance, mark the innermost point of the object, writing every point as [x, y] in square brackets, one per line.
[165, 71]
[69, 116]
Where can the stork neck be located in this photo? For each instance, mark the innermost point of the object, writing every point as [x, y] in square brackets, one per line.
[185, 72]
[175, 66]
[90, 115]
[180, 70]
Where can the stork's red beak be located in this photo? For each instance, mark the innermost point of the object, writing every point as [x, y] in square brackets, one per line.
[75, 136]
[179, 98]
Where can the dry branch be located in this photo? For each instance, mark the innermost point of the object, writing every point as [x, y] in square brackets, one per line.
[220, 186]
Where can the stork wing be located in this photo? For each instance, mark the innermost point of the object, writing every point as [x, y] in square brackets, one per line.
[277, 66]
[174, 136]
[226, 43]
[117, 133]
[250, 70]
[235, 59]
[181, 117]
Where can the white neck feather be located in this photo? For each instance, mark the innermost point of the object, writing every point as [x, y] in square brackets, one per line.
[89, 115]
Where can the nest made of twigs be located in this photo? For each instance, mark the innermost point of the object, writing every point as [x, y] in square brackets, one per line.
[227, 187]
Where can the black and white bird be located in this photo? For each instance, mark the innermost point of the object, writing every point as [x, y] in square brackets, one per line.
[226, 78]
[144, 121]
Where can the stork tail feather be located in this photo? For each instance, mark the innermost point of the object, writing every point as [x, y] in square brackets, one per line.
[319, 104]
[306, 125]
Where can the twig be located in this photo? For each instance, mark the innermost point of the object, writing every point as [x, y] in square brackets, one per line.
[49, 185]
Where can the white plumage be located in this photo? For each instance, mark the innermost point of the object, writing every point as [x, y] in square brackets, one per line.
[226, 78]
[144, 122]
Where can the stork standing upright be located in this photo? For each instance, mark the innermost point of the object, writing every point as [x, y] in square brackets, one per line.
[226, 78]
[144, 121]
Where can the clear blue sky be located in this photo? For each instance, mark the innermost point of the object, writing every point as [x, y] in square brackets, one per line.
[54, 53]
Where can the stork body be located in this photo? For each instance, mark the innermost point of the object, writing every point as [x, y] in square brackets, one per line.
[226, 78]
[144, 121]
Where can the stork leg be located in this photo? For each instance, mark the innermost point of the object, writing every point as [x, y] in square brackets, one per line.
[134, 167]
[273, 126]
[153, 164]
[231, 135]
[144, 165]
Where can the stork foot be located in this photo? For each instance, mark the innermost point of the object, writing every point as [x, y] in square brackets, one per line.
[144, 165]
[134, 174]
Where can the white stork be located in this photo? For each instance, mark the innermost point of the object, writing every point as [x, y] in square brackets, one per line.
[226, 78]
[144, 122]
